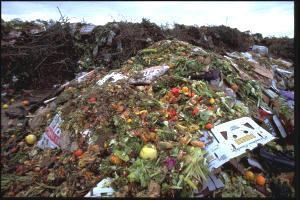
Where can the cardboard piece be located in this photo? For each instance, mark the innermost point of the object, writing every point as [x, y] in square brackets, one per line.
[262, 71]
[233, 138]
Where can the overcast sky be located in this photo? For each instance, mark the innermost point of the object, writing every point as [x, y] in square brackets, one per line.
[268, 18]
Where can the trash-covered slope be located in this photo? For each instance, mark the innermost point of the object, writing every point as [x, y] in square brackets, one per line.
[142, 132]
[41, 54]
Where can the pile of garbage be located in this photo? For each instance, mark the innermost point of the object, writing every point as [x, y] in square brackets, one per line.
[175, 119]
[36, 54]
[40, 54]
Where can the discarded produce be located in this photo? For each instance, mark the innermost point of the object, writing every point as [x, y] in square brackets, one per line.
[30, 139]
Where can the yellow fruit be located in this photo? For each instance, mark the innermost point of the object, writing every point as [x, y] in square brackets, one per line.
[105, 145]
[185, 89]
[129, 120]
[5, 106]
[30, 139]
[211, 100]
[148, 152]
[249, 176]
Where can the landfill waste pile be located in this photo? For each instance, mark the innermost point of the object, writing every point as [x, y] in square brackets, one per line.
[174, 120]
[40, 54]
[217, 38]
[36, 55]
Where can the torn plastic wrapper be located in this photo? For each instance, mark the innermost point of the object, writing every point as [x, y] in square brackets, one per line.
[114, 77]
[249, 57]
[279, 126]
[284, 73]
[270, 93]
[212, 183]
[255, 163]
[101, 190]
[260, 49]
[289, 95]
[233, 138]
[84, 76]
[146, 76]
[285, 63]
[51, 137]
[263, 112]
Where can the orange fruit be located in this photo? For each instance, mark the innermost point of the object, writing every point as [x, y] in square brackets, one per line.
[249, 176]
[260, 180]
[25, 103]
[185, 89]
[115, 160]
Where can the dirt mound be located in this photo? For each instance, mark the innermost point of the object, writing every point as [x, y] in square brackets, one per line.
[280, 47]
[216, 38]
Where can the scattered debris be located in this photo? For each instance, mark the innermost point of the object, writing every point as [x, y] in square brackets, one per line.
[175, 119]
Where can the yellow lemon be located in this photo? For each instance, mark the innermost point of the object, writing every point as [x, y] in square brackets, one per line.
[30, 139]
[148, 152]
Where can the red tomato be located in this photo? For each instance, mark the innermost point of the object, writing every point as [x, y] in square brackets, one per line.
[208, 126]
[175, 91]
[191, 94]
[195, 111]
[78, 152]
[172, 112]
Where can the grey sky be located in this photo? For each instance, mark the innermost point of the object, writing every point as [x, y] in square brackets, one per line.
[268, 18]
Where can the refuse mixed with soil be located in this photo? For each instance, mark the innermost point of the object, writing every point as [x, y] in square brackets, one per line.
[143, 123]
